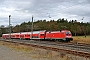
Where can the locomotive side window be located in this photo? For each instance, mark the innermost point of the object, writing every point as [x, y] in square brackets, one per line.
[62, 32]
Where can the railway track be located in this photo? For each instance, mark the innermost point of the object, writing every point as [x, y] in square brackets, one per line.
[80, 49]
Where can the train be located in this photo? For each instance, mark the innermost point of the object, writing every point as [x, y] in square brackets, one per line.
[62, 35]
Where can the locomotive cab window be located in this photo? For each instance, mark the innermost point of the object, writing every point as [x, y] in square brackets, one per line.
[68, 32]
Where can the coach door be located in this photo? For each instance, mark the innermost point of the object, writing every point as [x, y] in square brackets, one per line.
[42, 36]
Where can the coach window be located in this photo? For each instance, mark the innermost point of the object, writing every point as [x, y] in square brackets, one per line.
[42, 34]
[28, 34]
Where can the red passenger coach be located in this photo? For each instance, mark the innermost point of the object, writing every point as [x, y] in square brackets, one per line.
[25, 35]
[64, 35]
[5, 36]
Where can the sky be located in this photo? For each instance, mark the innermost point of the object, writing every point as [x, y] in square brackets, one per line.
[22, 10]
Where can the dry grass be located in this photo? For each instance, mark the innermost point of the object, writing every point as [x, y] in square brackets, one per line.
[81, 39]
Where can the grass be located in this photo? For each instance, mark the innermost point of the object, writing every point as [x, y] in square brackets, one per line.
[82, 39]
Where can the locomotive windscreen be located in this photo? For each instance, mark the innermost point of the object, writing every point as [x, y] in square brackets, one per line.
[68, 32]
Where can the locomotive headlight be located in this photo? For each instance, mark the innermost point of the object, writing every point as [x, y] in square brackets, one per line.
[68, 36]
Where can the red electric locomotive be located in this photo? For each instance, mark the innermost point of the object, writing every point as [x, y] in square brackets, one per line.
[64, 35]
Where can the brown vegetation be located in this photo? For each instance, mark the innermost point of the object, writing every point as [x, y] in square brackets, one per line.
[82, 39]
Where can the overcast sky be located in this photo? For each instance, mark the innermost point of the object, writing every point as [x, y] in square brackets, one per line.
[22, 10]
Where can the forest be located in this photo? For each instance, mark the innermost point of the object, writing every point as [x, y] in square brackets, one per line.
[77, 28]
